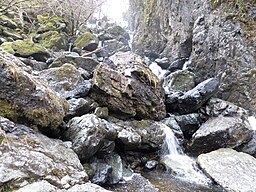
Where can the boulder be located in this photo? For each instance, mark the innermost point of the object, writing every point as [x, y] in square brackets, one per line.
[34, 64]
[27, 48]
[86, 63]
[79, 107]
[26, 100]
[66, 80]
[220, 132]
[181, 80]
[234, 171]
[129, 90]
[163, 63]
[28, 156]
[38, 187]
[89, 135]
[87, 40]
[113, 46]
[193, 99]
[144, 135]
[108, 170]
[87, 187]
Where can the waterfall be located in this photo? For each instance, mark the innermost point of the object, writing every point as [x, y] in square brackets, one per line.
[178, 163]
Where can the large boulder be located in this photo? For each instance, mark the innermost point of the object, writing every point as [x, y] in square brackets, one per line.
[129, 90]
[220, 132]
[144, 135]
[25, 99]
[234, 171]
[87, 40]
[193, 99]
[89, 135]
[86, 63]
[28, 156]
[66, 80]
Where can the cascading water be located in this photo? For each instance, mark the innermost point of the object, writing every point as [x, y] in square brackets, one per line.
[178, 163]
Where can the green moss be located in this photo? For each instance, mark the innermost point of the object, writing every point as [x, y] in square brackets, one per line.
[84, 39]
[7, 46]
[27, 48]
[8, 22]
[53, 39]
[8, 110]
[148, 11]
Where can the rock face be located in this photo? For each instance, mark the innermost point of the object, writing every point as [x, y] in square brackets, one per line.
[234, 171]
[89, 135]
[131, 90]
[30, 156]
[193, 99]
[66, 80]
[26, 100]
[217, 44]
[220, 132]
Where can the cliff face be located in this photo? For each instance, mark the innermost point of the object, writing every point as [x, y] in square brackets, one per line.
[218, 38]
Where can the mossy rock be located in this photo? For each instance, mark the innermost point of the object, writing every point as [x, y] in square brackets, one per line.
[13, 34]
[7, 46]
[53, 40]
[85, 39]
[26, 48]
[50, 24]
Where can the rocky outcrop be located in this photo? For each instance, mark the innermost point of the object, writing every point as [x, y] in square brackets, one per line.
[216, 37]
[26, 100]
[28, 156]
[220, 132]
[66, 80]
[192, 100]
[89, 135]
[130, 90]
[226, 167]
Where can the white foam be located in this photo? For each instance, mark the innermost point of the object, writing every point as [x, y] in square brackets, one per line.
[252, 122]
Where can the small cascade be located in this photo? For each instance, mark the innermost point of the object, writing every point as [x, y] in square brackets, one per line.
[178, 163]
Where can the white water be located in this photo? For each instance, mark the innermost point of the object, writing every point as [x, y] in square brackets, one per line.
[252, 121]
[178, 163]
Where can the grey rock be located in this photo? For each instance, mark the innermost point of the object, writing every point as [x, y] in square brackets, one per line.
[193, 99]
[181, 80]
[189, 123]
[177, 64]
[101, 172]
[79, 107]
[85, 63]
[151, 164]
[101, 112]
[112, 46]
[219, 132]
[163, 63]
[27, 155]
[40, 186]
[234, 171]
[36, 65]
[89, 134]
[87, 187]
[131, 90]
[66, 80]
[249, 147]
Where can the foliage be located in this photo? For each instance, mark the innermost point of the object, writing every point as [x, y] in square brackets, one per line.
[74, 12]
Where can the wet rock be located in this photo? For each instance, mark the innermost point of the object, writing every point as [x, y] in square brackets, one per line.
[249, 147]
[227, 167]
[113, 46]
[151, 164]
[89, 134]
[24, 99]
[86, 63]
[144, 135]
[189, 123]
[177, 64]
[30, 156]
[181, 80]
[36, 65]
[66, 80]
[131, 90]
[192, 100]
[108, 170]
[79, 107]
[220, 132]
[163, 63]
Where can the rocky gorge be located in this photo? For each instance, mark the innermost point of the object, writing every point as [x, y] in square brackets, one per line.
[87, 112]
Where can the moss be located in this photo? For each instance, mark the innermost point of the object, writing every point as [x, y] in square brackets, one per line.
[148, 11]
[53, 39]
[27, 47]
[84, 39]
[8, 22]
[50, 23]
[8, 110]
[58, 173]
[7, 46]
